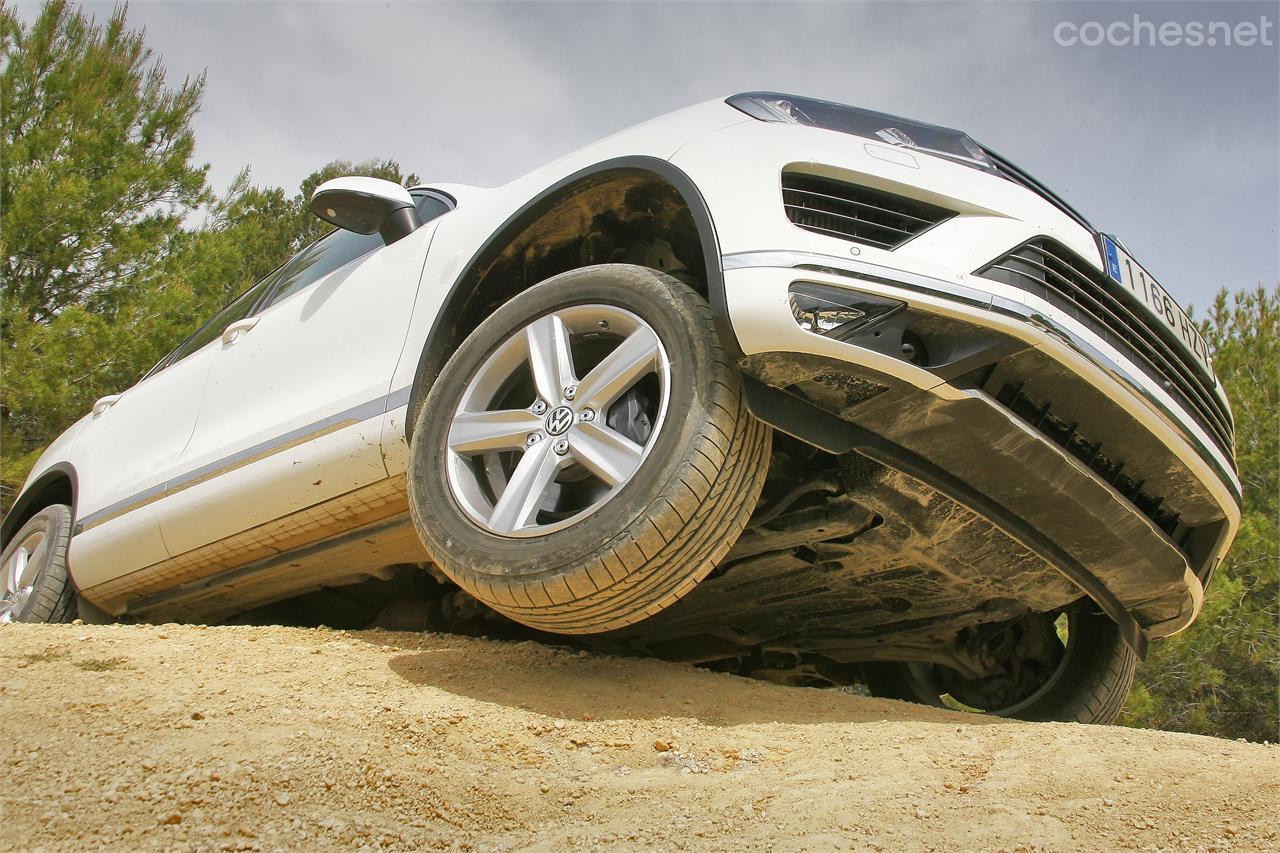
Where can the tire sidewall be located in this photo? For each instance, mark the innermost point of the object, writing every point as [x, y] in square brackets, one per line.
[684, 338]
[52, 593]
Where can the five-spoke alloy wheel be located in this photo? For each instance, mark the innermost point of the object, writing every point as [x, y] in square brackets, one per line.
[577, 446]
[585, 457]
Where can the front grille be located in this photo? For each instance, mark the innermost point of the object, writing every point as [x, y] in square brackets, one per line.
[1056, 274]
[857, 213]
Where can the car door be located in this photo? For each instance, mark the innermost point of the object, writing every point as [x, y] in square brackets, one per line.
[129, 451]
[291, 412]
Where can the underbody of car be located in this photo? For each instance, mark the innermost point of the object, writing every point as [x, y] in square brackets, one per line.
[982, 410]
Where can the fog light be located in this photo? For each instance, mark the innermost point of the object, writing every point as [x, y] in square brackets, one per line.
[836, 313]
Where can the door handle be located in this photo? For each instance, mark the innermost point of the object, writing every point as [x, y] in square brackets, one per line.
[233, 332]
[104, 403]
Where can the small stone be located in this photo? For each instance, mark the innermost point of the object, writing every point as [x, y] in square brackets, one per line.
[282, 798]
[196, 715]
[171, 819]
[661, 746]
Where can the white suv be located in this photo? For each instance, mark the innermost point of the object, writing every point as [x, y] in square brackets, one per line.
[770, 384]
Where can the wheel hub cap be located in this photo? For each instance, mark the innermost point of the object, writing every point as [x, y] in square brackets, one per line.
[559, 421]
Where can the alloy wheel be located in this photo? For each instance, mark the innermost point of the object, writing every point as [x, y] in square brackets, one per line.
[557, 420]
[21, 571]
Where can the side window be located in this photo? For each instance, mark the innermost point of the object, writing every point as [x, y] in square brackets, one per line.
[431, 205]
[322, 257]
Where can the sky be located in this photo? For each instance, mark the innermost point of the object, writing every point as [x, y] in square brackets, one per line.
[1173, 149]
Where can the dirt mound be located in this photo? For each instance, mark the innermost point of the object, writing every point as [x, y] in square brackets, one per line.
[259, 738]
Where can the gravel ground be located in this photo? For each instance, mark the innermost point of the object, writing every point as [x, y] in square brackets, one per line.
[237, 738]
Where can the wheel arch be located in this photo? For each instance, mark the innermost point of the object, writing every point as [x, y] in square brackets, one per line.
[57, 485]
[645, 194]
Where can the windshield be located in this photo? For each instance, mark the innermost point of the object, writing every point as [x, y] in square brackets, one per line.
[881, 127]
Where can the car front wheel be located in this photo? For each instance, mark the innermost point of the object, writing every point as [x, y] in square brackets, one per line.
[585, 457]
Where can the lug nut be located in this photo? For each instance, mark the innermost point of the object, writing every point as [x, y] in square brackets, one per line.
[539, 408]
[570, 392]
[534, 438]
[561, 447]
[586, 415]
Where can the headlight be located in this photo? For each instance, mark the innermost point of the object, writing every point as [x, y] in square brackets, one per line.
[880, 127]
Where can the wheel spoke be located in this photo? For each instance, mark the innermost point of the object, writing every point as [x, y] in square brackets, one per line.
[550, 358]
[478, 432]
[608, 454]
[518, 505]
[632, 359]
[26, 575]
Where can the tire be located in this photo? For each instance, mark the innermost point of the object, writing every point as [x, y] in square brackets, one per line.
[37, 587]
[654, 535]
[1090, 684]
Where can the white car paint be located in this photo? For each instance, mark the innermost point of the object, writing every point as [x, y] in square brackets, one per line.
[310, 403]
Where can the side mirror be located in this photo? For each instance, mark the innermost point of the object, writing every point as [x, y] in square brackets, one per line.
[367, 206]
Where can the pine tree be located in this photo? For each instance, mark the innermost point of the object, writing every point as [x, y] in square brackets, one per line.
[95, 180]
[1220, 676]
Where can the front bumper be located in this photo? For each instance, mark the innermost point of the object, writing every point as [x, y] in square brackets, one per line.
[960, 421]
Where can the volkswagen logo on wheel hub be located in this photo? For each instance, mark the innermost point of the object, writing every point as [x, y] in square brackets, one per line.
[560, 419]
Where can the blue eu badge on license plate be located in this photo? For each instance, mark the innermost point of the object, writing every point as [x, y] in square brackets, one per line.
[1113, 259]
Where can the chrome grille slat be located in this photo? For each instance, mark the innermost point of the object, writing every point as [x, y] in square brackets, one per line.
[798, 208]
[843, 236]
[1045, 267]
[1173, 368]
[856, 213]
[1170, 370]
[862, 204]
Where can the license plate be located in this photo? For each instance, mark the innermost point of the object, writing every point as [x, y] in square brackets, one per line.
[1160, 307]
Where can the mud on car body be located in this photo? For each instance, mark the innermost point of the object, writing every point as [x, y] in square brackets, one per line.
[769, 384]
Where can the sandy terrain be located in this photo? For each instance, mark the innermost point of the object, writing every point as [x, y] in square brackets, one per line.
[261, 738]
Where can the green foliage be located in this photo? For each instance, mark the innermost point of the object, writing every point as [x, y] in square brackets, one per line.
[94, 184]
[103, 271]
[1220, 676]
[96, 174]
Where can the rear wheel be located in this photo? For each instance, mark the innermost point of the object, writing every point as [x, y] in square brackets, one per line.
[1072, 668]
[37, 587]
[585, 457]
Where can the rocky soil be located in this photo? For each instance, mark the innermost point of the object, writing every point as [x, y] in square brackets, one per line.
[240, 738]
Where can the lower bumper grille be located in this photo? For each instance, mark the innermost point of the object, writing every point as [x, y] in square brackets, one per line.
[1056, 274]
